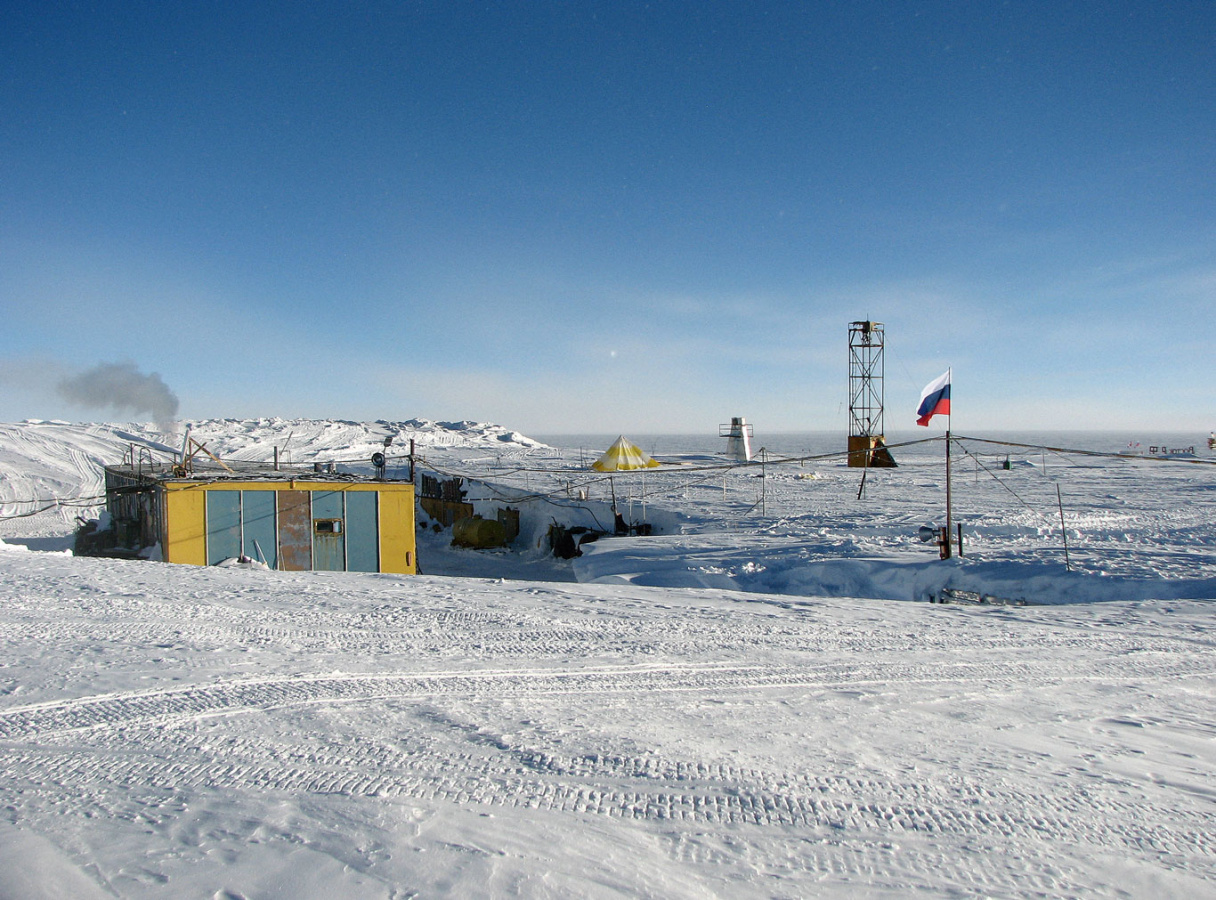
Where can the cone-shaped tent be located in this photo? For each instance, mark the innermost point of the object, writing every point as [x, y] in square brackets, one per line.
[623, 456]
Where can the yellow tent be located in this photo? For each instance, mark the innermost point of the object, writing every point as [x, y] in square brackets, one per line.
[623, 456]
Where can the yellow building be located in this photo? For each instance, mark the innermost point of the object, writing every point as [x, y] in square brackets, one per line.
[324, 522]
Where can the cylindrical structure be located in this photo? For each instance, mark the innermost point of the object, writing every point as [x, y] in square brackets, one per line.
[479, 533]
[739, 439]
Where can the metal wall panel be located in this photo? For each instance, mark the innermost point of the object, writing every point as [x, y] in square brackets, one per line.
[258, 531]
[362, 532]
[328, 532]
[205, 524]
[295, 530]
[397, 533]
[184, 522]
[223, 525]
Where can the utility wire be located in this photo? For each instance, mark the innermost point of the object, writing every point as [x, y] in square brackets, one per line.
[57, 500]
[715, 469]
[1097, 453]
[995, 478]
[81, 503]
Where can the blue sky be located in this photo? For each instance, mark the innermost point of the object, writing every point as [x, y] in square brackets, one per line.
[612, 217]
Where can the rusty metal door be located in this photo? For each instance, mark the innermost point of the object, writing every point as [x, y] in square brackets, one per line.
[295, 530]
[328, 532]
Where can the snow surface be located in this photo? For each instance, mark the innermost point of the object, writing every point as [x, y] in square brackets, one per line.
[733, 707]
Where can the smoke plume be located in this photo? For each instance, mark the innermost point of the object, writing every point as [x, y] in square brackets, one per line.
[123, 388]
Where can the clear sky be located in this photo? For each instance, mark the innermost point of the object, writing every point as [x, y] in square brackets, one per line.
[612, 216]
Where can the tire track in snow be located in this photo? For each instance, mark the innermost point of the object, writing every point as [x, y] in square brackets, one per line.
[192, 740]
[46, 719]
[445, 765]
[131, 620]
[76, 755]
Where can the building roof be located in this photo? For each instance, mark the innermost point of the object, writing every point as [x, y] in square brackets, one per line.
[161, 473]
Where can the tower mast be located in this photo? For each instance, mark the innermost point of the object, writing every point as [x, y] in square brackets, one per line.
[866, 372]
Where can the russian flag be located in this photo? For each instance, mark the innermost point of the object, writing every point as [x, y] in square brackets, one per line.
[934, 400]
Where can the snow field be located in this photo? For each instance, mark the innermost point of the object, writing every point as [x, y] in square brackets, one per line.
[181, 732]
[730, 708]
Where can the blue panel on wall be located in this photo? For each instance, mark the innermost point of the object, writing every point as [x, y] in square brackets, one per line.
[223, 525]
[362, 532]
[327, 504]
[257, 517]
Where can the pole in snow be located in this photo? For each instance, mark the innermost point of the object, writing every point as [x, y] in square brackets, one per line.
[1063, 533]
[947, 548]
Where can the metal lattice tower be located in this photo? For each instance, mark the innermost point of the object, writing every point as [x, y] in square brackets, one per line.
[866, 447]
[865, 379]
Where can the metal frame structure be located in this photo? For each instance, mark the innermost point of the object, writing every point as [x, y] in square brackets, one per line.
[866, 372]
[866, 375]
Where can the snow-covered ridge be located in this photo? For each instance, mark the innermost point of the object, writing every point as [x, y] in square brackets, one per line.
[311, 440]
[44, 461]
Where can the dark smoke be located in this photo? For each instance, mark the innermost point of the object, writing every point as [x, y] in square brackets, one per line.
[123, 388]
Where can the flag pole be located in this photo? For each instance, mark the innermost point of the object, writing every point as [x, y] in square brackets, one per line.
[949, 543]
[935, 400]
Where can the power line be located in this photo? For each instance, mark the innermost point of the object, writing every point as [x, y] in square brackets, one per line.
[1098, 453]
[591, 480]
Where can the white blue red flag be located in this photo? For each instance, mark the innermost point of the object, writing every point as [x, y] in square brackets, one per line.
[934, 400]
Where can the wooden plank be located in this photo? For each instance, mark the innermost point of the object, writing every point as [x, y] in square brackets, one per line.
[445, 512]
